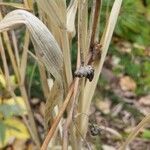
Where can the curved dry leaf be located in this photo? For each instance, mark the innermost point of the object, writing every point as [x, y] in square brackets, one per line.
[127, 83]
[55, 16]
[145, 100]
[45, 46]
[44, 42]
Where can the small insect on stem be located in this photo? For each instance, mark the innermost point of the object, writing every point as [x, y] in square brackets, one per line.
[85, 71]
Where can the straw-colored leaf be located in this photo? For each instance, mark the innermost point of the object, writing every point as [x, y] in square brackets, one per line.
[135, 132]
[15, 5]
[51, 8]
[56, 15]
[71, 14]
[42, 39]
[45, 46]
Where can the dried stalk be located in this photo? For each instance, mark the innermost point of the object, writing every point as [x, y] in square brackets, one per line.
[14, 40]
[97, 9]
[57, 14]
[9, 85]
[95, 23]
[44, 44]
[70, 115]
[58, 118]
[105, 41]
[24, 56]
[30, 115]
[10, 52]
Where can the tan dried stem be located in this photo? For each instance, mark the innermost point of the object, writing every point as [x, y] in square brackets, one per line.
[98, 64]
[58, 118]
[9, 88]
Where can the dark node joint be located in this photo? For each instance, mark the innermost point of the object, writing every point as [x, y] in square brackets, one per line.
[95, 52]
[85, 71]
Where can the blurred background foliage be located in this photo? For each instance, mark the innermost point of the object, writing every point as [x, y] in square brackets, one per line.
[131, 42]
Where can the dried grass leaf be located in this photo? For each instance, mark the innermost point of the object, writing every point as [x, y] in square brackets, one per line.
[71, 14]
[53, 11]
[43, 41]
[15, 5]
[45, 46]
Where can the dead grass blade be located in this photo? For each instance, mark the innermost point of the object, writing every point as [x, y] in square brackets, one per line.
[17, 72]
[71, 14]
[135, 132]
[41, 38]
[46, 47]
[28, 4]
[51, 8]
[16, 51]
[56, 14]
[24, 56]
[58, 118]
[10, 89]
[15, 5]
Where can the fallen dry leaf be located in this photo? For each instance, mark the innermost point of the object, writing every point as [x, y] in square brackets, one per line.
[145, 100]
[147, 51]
[19, 144]
[42, 108]
[35, 101]
[125, 46]
[115, 61]
[103, 105]
[108, 147]
[127, 84]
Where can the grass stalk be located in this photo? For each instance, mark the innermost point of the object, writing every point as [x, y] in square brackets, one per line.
[70, 115]
[24, 56]
[9, 83]
[135, 132]
[94, 25]
[98, 64]
[58, 117]
[66, 55]
[30, 115]
[16, 51]
[10, 52]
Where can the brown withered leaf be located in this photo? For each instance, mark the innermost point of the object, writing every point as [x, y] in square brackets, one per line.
[103, 105]
[127, 84]
[145, 100]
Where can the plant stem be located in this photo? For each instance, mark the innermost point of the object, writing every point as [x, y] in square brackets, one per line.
[70, 115]
[30, 115]
[58, 118]
[95, 21]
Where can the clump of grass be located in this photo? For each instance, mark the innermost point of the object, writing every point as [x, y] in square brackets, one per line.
[52, 43]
